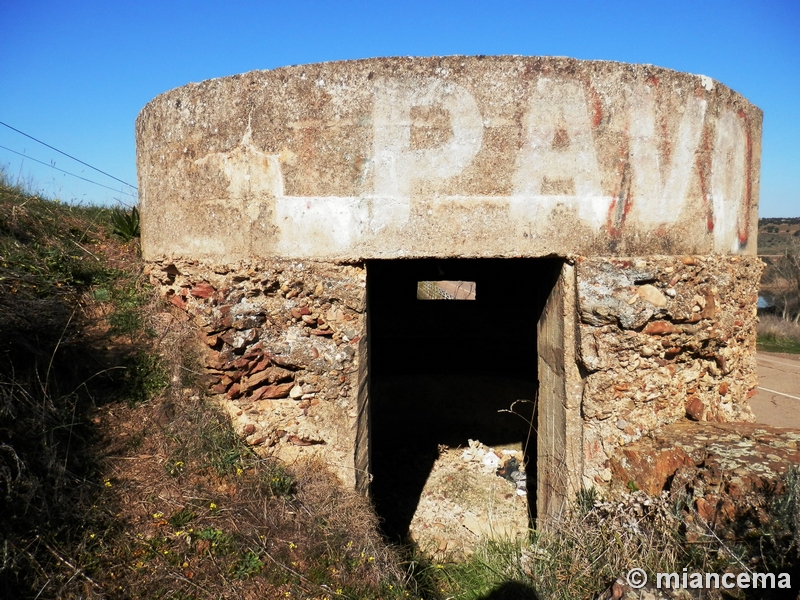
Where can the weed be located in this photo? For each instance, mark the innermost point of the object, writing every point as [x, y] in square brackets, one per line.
[247, 565]
[586, 499]
[125, 223]
[101, 295]
[174, 467]
[219, 542]
[182, 518]
[145, 376]
[278, 481]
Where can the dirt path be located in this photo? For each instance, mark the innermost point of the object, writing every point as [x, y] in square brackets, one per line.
[778, 400]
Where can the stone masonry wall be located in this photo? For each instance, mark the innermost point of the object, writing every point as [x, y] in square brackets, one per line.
[283, 350]
[662, 339]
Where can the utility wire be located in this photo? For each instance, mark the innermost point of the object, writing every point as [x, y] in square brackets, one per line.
[41, 162]
[69, 155]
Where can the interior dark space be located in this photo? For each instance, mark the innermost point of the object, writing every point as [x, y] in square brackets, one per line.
[442, 372]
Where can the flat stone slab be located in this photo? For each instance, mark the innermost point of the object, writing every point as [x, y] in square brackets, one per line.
[729, 470]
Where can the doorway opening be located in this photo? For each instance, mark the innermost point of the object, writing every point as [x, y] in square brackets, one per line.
[442, 372]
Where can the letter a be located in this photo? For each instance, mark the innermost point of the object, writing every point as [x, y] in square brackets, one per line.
[559, 147]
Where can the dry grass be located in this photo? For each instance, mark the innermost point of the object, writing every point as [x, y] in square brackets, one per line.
[778, 335]
[587, 549]
[775, 327]
[583, 552]
[206, 518]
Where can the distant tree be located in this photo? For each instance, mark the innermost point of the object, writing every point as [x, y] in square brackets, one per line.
[784, 279]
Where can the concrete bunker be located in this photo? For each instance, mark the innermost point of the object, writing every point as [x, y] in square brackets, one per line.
[610, 208]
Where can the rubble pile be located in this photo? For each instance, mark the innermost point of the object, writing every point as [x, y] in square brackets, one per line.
[471, 493]
[663, 339]
[282, 345]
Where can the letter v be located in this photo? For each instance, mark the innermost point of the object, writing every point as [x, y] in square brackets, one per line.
[658, 190]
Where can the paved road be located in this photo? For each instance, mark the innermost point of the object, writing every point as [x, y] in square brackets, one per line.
[778, 400]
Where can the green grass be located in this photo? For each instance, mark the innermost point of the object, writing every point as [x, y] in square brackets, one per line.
[128, 297]
[773, 344]
[182, 518]
[50, 258]
[46, 246]
[53, 373]
[211, 444]
[143, 377]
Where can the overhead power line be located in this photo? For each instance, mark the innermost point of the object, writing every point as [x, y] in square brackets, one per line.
[41, 162]
[68, 155]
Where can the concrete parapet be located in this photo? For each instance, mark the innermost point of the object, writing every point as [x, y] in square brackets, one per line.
[456, 156]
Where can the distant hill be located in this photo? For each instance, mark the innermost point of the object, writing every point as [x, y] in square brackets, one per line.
[776, 234]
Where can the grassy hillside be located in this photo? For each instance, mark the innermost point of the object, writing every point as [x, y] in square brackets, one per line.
[118, 479]
[775, 234]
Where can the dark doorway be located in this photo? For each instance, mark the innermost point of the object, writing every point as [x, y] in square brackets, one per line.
[441, 370]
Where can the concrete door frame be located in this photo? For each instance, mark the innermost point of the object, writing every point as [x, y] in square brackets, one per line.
[560, 425]
[559, 452]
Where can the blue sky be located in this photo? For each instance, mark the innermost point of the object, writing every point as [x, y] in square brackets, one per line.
[75, 74]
